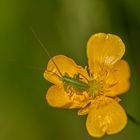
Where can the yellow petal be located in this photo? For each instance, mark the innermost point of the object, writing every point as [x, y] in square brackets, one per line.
[52, 77]
[105, 117]
[57, 97]
[64, 65]
[121, 73]
[122, 70]
[104, 49]
[85, 109]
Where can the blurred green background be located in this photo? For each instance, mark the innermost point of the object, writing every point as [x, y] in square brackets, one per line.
[64, 26]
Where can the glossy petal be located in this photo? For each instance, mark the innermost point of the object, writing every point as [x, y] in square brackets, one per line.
[57, 97]
[120, 77]
[105, 49]
[105, 117]
[122, 70]
[64, 65]
[85, 110]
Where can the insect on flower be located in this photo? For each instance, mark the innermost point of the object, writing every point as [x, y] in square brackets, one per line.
[94, 90]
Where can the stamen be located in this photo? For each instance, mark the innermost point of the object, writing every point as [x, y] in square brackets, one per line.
[95, 88]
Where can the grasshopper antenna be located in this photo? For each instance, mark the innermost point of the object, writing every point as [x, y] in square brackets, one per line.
[44, 48]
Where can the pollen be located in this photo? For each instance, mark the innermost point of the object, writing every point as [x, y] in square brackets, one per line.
[95, 88]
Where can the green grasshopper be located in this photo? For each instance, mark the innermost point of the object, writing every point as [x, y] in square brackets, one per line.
[74, 81]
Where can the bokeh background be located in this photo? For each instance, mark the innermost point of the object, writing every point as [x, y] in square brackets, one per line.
[64, 26]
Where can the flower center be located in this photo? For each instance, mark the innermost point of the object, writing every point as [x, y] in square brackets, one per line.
[95, 88]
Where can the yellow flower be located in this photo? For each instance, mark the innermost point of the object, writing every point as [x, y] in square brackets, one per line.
[106, 77]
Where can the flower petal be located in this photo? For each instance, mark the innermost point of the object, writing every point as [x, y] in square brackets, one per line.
[57, 97]
[85, 110]
[63, 65]
[105, 49]
[121, 73]
[106, 116]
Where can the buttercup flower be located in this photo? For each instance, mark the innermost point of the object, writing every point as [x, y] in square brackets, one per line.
[94, 90]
